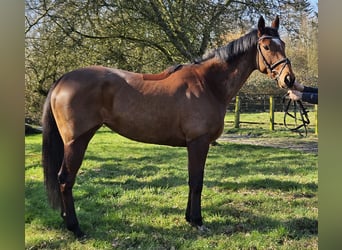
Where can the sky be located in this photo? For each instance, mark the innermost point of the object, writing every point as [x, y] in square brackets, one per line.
[314, 4]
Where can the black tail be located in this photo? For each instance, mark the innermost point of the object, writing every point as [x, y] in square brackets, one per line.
[52, 153]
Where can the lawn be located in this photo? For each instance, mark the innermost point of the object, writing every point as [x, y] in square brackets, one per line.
[259, 124]
[131, 195]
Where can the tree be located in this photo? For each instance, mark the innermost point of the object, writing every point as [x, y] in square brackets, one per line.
[141, 35]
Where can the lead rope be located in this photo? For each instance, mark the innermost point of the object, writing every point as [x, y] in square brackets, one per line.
[303, 120]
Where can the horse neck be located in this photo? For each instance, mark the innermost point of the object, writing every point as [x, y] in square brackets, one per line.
[226, 79]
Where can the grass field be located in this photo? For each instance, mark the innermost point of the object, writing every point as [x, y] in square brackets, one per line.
[131, 195]
[249, 122]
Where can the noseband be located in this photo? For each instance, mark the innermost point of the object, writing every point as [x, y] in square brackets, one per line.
[285, 61]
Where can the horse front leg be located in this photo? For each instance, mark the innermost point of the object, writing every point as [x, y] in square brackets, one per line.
[197, 154]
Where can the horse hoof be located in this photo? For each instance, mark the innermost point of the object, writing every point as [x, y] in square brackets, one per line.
[80, 235]
[82, 239]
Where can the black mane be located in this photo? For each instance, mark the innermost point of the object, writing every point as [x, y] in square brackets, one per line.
[238, 46]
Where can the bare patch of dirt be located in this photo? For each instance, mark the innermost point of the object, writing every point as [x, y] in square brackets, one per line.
[308, 145]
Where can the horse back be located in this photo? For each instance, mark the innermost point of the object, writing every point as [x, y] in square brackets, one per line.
[162, 75]
[169, 111]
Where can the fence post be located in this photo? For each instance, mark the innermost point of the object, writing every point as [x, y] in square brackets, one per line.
[237, 112]
[316, 119]
[271, 113]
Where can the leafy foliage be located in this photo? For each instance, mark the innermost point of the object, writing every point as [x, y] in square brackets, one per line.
[142, 36]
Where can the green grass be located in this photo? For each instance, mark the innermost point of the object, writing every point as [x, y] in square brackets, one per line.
[131, 195]
[263, 128]
[264, 117]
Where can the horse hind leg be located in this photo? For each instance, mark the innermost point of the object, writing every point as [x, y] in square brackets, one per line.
[73, 157]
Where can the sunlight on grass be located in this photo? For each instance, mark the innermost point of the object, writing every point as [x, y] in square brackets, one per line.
[132, 195]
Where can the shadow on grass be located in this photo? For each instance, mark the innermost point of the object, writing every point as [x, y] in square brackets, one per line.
[99, 188]
[267, 184]
[121, 232]
[37, 207]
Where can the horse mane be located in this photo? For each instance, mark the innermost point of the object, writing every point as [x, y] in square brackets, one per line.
[238, 46]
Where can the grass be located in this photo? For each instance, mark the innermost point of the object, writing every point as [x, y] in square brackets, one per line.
[262, 129]
[131, 195]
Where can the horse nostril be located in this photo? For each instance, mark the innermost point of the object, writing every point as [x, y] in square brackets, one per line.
[289, 81]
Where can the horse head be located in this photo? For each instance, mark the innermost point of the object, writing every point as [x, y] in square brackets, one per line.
[271, 57]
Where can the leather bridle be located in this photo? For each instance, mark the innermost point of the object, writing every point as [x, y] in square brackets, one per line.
[303, 120]
[299, 122]
[271, 67]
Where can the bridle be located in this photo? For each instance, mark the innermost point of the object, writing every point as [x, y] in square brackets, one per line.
[271, 67]
[302, 121]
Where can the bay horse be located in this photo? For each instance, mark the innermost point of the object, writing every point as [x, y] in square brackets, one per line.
[183, 106]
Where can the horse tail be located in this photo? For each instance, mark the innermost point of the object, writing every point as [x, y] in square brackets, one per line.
[52, 152]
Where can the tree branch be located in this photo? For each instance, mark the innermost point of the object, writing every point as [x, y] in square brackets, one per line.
[35, 22]
[124, 37]
[171, 35]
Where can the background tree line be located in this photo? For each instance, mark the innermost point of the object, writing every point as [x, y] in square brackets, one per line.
[150, 35]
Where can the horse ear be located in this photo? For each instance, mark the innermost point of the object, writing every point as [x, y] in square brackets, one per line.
[261, 26]
[275, 23]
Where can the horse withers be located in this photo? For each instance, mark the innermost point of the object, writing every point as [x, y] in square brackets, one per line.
[182, 106]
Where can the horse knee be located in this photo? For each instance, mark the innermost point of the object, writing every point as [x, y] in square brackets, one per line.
[196, 187]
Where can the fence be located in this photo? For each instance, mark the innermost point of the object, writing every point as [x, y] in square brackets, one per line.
[263, 103]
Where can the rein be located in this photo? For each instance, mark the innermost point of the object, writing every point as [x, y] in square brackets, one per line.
[270, 67]
[303, 119]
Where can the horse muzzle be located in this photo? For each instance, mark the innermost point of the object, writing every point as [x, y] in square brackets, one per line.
[289, 80]
[284, 76]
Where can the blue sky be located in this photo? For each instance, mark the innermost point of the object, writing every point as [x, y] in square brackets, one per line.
[314, 4]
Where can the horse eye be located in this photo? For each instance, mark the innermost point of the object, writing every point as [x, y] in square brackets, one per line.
[266, 47]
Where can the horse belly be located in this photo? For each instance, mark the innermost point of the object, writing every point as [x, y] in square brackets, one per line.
[147, 125]
[148, 134]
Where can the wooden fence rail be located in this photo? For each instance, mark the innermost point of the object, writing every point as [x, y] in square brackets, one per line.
[271, 108]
